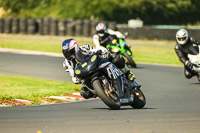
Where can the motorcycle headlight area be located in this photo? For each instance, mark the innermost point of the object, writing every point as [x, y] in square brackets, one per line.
[115, 50]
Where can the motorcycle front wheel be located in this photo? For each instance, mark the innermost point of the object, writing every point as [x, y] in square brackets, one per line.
[139, 99]
[111, 99]
[130, 60]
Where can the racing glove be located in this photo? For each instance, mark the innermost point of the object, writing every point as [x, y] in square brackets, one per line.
[104, 53]
[65, 65]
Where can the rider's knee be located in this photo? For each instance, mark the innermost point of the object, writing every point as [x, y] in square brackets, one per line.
[119, 61]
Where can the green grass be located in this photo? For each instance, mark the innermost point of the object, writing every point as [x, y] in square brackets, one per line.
[147, 51]
[155, 55]
[154, 51]
[35, 42]
[33, 89]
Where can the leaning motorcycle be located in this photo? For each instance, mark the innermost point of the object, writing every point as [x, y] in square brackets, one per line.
[106, 81]
[195, 60]
[118, 45]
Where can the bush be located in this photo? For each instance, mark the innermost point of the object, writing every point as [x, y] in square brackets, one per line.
[150, 11]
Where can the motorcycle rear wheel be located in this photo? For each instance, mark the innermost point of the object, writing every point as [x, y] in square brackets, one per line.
[111, 100]
[130, 60]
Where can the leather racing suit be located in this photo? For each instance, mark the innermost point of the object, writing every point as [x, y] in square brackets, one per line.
[182, 52]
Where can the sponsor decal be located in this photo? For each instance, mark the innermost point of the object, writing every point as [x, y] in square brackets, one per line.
[124, 100]
[64, 47]
[77, 71]
[84, 64]
[112, 71]
[103, 41]
[114, 41]
[93, 58]
[104, 64]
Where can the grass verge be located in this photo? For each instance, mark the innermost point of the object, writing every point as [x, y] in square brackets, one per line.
[33, 89]
[147, 51]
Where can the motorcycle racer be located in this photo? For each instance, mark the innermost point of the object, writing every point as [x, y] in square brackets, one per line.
[186, 45]
[71, 49]
[102, 34]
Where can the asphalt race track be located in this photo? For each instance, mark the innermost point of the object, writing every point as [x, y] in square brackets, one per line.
[173, 103]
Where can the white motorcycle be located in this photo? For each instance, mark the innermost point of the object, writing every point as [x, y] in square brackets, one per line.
[195, 60]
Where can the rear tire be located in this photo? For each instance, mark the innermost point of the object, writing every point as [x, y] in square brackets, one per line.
[130, 60]
[111, 103]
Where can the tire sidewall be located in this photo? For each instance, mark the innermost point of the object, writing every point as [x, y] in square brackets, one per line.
[101, 94]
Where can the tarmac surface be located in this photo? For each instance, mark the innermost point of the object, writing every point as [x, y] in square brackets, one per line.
[172, 102]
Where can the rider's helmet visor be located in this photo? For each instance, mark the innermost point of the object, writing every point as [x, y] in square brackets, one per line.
[181, 38]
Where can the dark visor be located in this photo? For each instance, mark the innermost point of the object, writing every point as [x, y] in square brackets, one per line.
[68, 53]
[182, 38]
[101, 31]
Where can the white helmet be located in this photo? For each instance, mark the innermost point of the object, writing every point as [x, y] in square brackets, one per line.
[101, 28]
[182, 36]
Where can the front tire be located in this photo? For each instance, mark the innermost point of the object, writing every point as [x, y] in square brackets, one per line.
[105, 96]
[139, 99]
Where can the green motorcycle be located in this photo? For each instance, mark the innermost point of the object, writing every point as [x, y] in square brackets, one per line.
[118, 45]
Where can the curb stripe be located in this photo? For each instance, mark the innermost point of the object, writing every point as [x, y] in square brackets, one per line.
[76, 96]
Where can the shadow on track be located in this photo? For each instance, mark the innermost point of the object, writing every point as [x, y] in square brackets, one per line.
[124, 108]
[196, 83]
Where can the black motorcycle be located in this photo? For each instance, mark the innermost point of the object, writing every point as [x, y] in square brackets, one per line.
[106, 81]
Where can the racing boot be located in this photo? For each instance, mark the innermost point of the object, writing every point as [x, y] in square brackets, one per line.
[85, 93]
[129, 75]
[188, 72]
[198, 76]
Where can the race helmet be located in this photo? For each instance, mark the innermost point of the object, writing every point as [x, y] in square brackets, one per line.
[69, 48]
[101, 28]
[182, 36]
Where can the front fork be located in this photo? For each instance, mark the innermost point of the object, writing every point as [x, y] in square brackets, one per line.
[130, 90]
